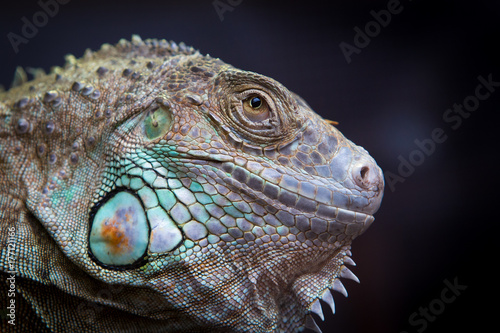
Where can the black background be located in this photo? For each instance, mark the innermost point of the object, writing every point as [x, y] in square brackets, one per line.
[441, 222]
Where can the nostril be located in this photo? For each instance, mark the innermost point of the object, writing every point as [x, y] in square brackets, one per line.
[363, 172]
[365, 175]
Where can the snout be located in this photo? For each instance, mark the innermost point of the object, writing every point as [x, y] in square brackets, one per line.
[369, 177]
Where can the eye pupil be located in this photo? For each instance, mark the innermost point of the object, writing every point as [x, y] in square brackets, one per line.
[255, 102]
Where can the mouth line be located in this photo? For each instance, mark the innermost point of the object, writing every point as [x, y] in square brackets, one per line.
[350, 215]
[319, 206]
[349, 222]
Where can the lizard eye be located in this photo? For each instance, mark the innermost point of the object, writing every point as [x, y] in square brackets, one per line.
[256, 108]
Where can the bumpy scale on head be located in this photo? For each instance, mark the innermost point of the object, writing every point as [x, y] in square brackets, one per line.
[215, 189]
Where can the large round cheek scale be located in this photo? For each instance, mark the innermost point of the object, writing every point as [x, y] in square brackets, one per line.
[120, 231]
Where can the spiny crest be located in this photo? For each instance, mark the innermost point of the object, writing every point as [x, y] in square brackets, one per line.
[153, 48]
[150, 48]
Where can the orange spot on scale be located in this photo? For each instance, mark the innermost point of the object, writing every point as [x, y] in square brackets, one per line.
[114, 234]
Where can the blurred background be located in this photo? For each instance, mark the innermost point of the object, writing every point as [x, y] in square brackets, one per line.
[388, 84]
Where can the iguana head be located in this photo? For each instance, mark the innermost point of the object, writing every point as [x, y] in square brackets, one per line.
[217, 195]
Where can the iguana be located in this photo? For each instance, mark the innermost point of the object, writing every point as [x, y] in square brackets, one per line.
[149, 188]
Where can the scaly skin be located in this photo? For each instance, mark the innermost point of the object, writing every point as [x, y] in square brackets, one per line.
[148, 188]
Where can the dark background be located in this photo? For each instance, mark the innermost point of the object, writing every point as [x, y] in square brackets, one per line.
[440, 223]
